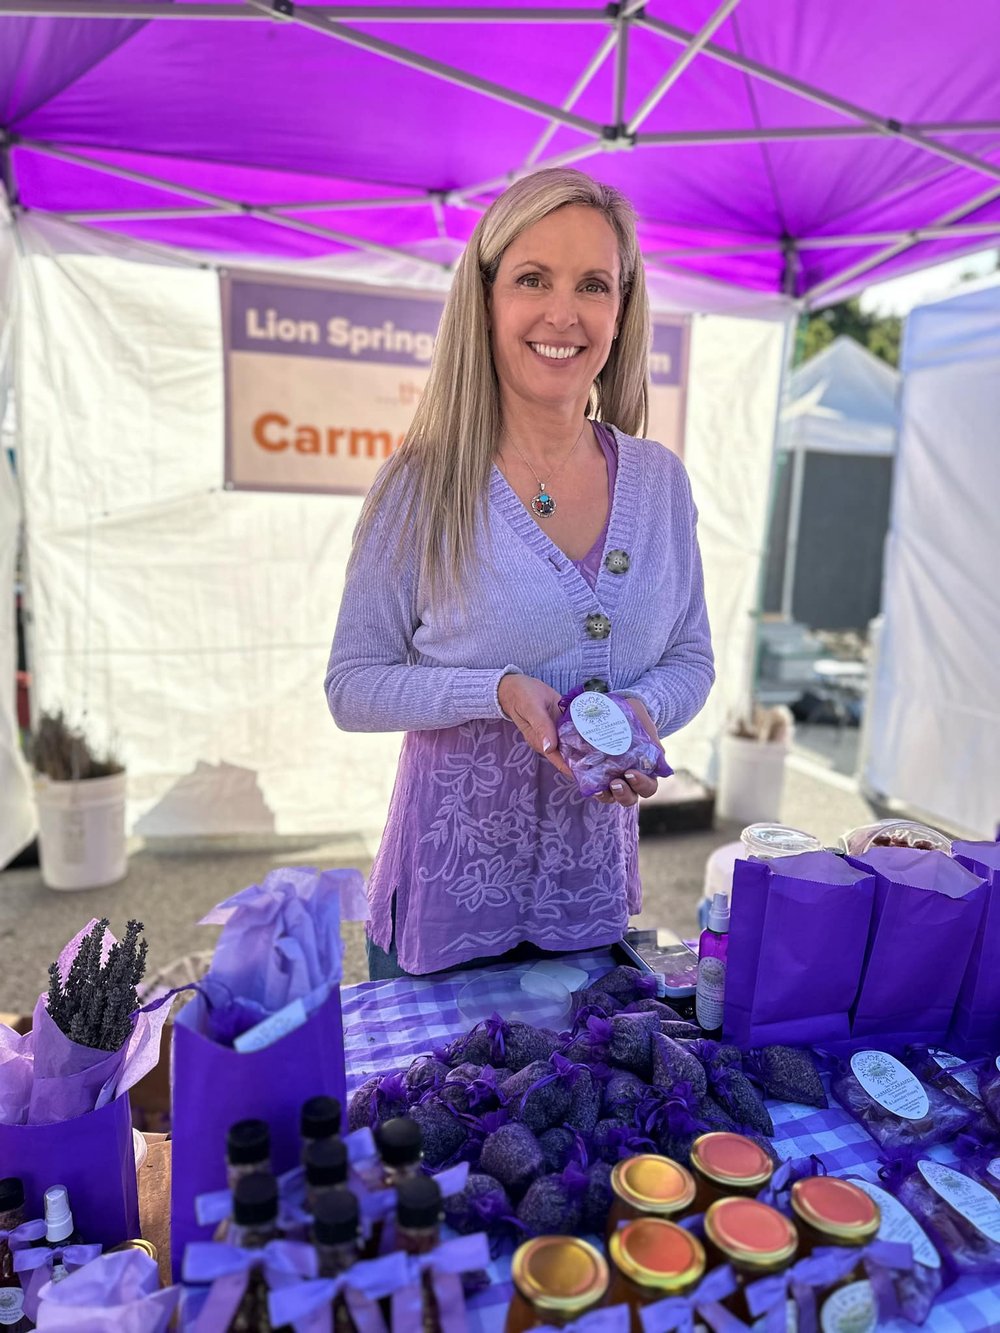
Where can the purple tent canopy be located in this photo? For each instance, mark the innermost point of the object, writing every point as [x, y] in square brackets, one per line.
[769, 145]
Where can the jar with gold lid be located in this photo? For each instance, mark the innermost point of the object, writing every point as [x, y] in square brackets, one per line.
[754, 1239]
[649, 1186]
[833, 1212]
[725, 1164]
[651, 1259]
[556, 1280]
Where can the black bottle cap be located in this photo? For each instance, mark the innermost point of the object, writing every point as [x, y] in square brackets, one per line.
[255, 1200]
[400, 1141]
[335, 1221]
[418, 1203]
[11, 1194]
[326, 1162]
[248, 1141]
[320, 1118]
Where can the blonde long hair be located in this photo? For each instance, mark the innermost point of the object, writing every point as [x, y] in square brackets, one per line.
[449, 448]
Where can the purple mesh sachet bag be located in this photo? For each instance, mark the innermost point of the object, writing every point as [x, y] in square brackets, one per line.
[601, 738]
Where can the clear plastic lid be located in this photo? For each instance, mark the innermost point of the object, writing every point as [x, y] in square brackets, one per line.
[770, 840]
[895, 833]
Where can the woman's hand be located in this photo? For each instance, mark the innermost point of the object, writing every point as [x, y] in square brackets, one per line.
[626, 791]
[533, 707]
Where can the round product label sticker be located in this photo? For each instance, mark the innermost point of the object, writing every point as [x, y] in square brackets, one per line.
[890, 1084]
[601, 722]
[973, 1201]
[994, 1168]
[965, 1079]
[850, 1309]
[899, 1225]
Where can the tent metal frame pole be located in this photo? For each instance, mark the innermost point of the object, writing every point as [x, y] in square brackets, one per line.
[162, 9]
[792, 534]
[566, 159]
[680, 65]
[914, 235]
[792, 133]
[343, 238]
[891, 128]
[574, 95]
[900, 247]
[621, 71]
[435, 68]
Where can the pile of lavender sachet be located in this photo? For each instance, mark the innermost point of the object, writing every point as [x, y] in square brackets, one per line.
[542, 1117]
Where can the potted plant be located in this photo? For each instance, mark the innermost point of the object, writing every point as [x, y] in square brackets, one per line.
[752, 764]
[80, 794]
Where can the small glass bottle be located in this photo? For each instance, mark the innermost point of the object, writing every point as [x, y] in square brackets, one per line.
[713, 949]
[725, 1164]
[12, 1316]
[335, 1232]
[319, 1121]
[248, 1150]
[400, 1144]
[60, 1229]
[649, 1186]
[326, 1170]
[418, 1231]
[651, 1259]
[556, 1280]
[254, 1223]
[830, 1211]
[754, 1239]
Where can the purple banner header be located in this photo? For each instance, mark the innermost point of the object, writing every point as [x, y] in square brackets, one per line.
[326, 322]
[666, 360]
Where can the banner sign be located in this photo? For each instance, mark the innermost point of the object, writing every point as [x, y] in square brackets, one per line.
[668, 376]
[322, 380]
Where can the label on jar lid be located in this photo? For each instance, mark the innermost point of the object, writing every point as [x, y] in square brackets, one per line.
[971, 1200]
[898, 1224]
[601, 722]
[890, 1084]
[945, 1060]
[850, 1309]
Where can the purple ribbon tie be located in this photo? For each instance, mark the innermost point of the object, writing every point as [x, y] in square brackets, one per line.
[372, 1279]
[228, 1269]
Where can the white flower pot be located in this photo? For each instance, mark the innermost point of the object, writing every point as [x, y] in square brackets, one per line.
[751, 778]
[81, 831]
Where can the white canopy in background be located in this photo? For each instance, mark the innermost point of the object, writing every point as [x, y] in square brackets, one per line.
[192, 625]
[935, 723]
[843, 401]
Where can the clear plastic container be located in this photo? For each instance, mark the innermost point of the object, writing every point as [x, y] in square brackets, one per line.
[771, 840]
[525, 996]
[895, 833]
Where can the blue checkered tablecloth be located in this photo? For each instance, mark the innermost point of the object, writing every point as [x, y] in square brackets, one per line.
[388, 1023]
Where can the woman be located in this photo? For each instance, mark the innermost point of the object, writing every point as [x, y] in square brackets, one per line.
[521, 543]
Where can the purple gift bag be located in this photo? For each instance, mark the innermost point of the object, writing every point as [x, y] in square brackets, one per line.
[976, 1024]
[797, 933]
[93, 1156]
[212, 1086]
[925, 921]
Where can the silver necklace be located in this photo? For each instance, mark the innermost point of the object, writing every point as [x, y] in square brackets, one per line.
[543, 503]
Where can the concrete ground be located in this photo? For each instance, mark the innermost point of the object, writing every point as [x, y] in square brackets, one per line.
[170, 887]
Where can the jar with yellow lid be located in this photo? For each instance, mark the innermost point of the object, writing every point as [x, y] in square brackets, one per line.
[649, 1186]
[725, 1164]
[833, 1212]
[652, 1258]
[556, 1280]
[754, 1239]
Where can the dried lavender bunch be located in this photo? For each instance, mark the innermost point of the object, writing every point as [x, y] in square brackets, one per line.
[94, 1006]
[64, 754]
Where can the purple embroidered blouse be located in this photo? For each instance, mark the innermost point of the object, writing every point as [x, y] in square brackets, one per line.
[485, 844]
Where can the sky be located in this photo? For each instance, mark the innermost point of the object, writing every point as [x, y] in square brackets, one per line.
[898, 296]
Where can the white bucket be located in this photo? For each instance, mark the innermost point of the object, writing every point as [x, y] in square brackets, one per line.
[751, 777]
[81, 831]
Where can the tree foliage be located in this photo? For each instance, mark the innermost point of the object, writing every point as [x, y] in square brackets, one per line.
[879, 333]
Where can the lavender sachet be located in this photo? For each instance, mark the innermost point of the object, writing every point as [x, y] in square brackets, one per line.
[601, 739]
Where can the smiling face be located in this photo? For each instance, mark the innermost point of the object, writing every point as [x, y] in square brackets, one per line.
[554, 309]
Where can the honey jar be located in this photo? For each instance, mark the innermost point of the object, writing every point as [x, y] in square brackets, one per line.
[652, 1258]
[830, 1211]
[649, 1186]
[556, 1279]
[754, 1239]
[725, 1164]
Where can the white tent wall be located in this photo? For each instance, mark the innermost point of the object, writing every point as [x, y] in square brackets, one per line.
[190, 625]
[17, 810]
[935, 724]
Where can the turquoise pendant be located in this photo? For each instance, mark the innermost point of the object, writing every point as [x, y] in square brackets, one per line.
[543, 504]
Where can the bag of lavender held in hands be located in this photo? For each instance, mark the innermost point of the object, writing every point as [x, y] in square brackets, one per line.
[601, 738]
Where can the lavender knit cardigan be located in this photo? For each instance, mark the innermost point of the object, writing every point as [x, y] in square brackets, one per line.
[399, 663]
